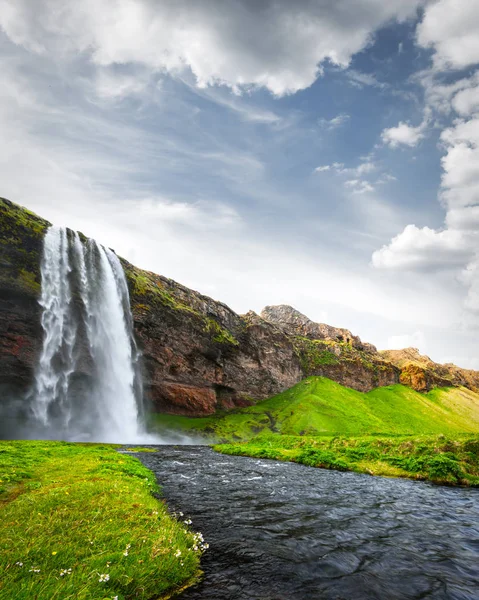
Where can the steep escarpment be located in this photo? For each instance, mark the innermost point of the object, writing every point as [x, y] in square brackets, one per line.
[21, 237]
[199, 356]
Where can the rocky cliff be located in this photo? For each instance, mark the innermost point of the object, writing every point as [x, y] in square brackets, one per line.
[198, 355]
[421, 373]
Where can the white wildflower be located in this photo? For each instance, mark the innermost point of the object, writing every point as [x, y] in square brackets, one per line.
[104, 577]
[178, 553]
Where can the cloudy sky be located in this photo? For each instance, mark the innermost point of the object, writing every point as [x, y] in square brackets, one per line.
[320, 153]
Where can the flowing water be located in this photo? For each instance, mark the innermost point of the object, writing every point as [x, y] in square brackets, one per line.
[87, 382]
[282, 531]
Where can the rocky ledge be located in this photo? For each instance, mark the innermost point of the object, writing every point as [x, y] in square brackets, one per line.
[199, 356]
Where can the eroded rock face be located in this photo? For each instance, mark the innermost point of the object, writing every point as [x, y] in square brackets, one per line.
[295, 323]
[199, 356]
[332, 352]
[423, 374]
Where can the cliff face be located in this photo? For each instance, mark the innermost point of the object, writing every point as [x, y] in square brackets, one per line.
[21, 236]
[332, 352]
[198, 355]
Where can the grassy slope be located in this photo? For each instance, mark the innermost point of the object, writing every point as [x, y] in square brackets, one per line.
[319, 406]
[87, 508]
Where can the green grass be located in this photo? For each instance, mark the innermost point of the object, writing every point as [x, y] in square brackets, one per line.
[435, 458]
[88, 509]
[318, 406]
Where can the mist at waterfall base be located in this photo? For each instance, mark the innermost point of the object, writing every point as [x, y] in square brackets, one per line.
[88, 384]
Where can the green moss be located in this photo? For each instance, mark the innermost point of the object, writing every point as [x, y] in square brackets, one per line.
[314, 353]
[219, 334]
[15, 219]
[147, 290]
[147, 287]
[21, 235]
[29, 281]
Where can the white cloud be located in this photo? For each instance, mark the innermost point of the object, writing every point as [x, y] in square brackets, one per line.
[363, 168]
[277, 45]
[408, 340]
[356, 183]
[111, 85]
[386, 178]
[460, 180]
[403, 134]
[360, 79]
[335, 122]
[424, 249]
[450, 28]
[466, 102]
[359, 186]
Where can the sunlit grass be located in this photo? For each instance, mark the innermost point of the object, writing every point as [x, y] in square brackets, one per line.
[444, 460]
[319, 406]
[79, 521]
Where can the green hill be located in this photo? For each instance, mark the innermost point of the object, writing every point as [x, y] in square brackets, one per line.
[319, 406]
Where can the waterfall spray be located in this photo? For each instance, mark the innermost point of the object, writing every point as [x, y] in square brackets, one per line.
[87, 382]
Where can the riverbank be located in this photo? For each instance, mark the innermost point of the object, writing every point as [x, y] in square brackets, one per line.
[440, 459]
[79, 521]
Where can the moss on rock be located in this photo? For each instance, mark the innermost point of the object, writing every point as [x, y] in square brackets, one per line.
[21, 236]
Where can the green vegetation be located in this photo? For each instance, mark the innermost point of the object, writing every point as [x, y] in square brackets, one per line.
[79, 521]
[319, 406]
[21, 234]
[393, 431]
[438, 459]
[314, 353]
[148, 284]
[15, 218]
[148, 289]
[218, 333]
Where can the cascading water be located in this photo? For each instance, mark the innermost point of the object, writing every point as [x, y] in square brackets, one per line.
[87, 383]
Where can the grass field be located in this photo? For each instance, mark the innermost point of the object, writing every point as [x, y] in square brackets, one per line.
[434, 458]
[319, 406]
[79, 521]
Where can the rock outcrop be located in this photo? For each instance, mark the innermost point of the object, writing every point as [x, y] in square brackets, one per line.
[199, 356]
[295, 323]
[332, 352]
[421, 373]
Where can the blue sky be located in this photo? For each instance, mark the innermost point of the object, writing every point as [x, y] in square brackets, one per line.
[318, 153]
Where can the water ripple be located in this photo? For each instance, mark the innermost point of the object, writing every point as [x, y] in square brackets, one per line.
[281, 531]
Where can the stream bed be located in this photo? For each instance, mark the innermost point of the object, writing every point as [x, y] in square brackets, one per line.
[283, 531]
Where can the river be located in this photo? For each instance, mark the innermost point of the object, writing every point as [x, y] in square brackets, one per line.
[282, 531]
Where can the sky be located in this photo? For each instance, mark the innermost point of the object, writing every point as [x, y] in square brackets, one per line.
[317, 153]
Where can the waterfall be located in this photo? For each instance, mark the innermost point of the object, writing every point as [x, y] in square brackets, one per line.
[87, 381]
